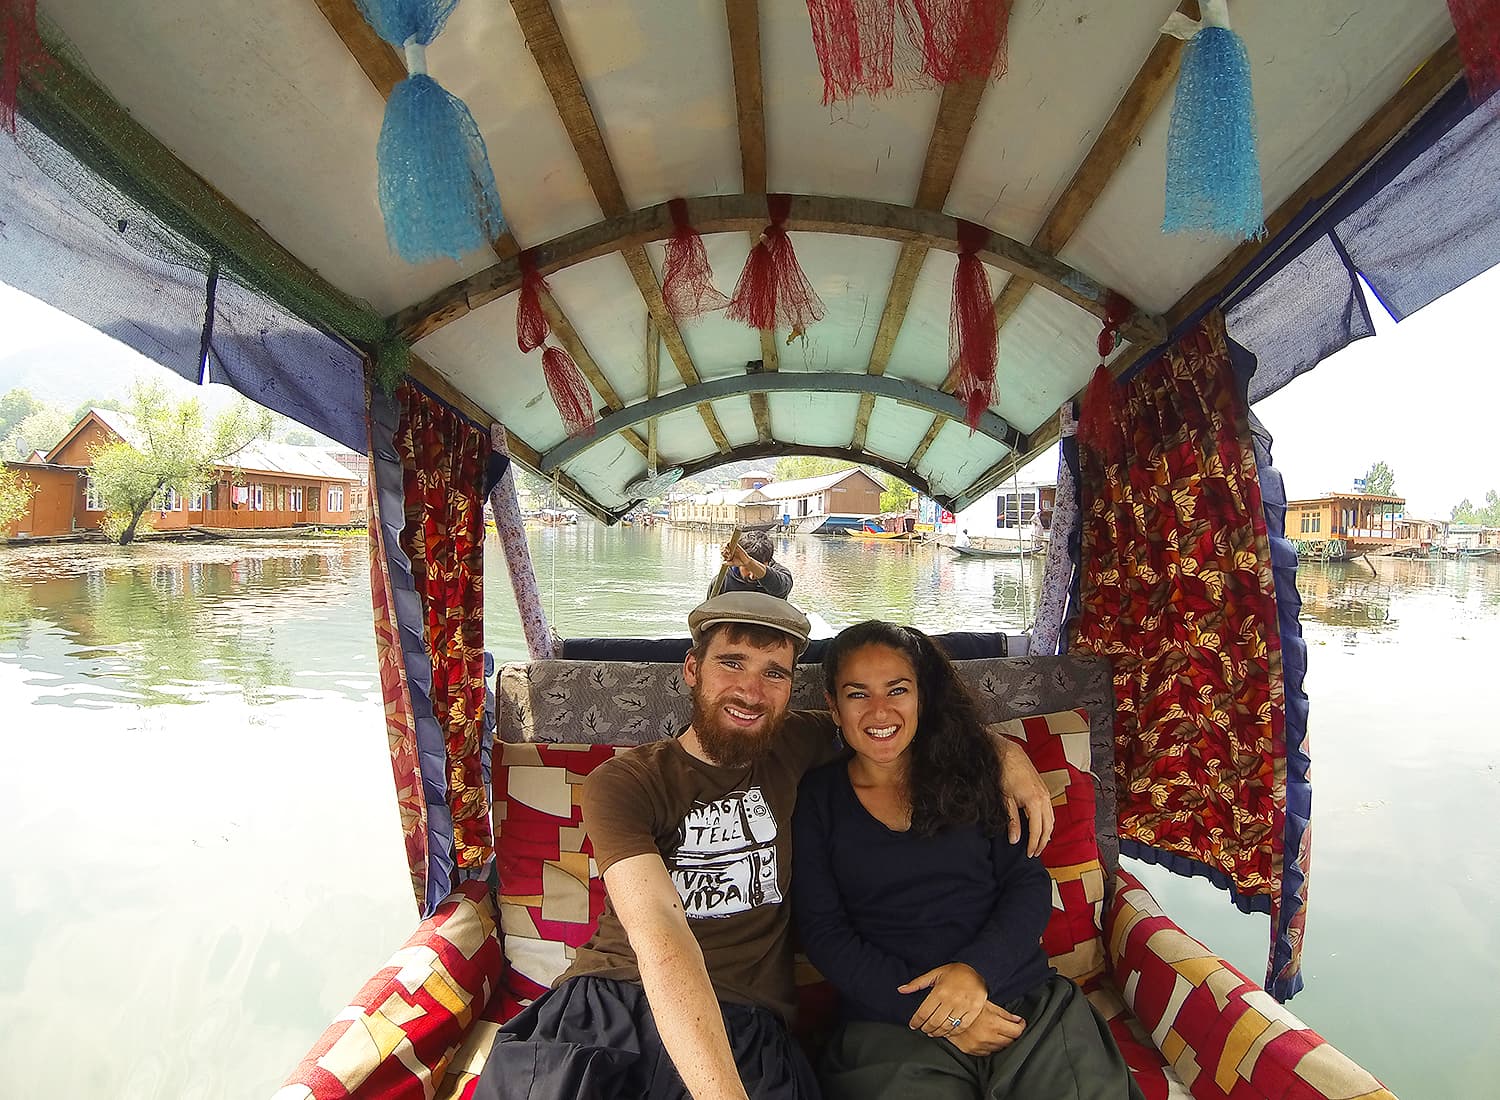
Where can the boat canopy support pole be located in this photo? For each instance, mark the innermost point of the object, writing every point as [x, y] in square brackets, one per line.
[540, 641]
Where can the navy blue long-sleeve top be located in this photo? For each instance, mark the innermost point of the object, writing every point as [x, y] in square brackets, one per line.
[877, 907]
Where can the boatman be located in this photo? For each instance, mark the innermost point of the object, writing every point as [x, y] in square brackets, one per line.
[753, 567]
[686, 988]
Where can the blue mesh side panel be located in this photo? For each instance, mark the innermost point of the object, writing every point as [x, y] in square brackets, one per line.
[1308, 310]
[125, 276]
[1436, 225]
[283, 363]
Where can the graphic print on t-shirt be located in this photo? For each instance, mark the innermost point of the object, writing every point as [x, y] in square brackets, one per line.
[725, 861]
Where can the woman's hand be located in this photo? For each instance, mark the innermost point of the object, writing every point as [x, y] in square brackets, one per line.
[958, 993]
[992, 1029]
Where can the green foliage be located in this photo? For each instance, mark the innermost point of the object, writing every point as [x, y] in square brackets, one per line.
[793, 467]
[175, 450]
[99, 403]
[39, 430]
[1380, 481]
[1487, 516]
[16, 406]
[897, 496]
[16, 491]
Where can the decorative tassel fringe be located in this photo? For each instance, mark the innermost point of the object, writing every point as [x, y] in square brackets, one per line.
[1213, 168]
[437, 191]
[1097, 429]
[23, 52]
[532, 328]
[570, 392]
[973, 338]
[1477, 23]
[863, 48]
[687, 284]
[773, 289]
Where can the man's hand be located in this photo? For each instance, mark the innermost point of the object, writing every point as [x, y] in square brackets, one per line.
[993, 1028]
[958, 993]
[749, 568]
[1024, 791]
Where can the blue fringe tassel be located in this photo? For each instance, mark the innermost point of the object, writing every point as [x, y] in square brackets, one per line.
[1213, 169]
[436, 189]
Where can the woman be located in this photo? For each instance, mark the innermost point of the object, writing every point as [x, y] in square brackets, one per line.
[911, 900]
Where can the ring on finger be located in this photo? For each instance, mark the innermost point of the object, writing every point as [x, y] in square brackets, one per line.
[955, 1021]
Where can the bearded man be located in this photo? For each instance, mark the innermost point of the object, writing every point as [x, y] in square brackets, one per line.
[686, 988]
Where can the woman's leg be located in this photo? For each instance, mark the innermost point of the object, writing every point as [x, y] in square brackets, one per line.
[868, 1061]
[1065, 1053]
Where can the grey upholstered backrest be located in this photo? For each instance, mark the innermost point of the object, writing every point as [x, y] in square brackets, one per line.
[622, 703]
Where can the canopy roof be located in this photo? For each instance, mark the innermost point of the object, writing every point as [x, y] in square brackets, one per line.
[596, 113]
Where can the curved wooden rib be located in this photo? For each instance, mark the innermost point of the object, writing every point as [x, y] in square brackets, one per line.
[896, 389]
[776, 449]
[747, 213]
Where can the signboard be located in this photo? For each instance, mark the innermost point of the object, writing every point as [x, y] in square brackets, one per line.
[946, 517]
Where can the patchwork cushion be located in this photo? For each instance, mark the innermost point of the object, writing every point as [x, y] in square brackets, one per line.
[551, 894]
[1224, 1035]
[1058, 746]
[402, 1030]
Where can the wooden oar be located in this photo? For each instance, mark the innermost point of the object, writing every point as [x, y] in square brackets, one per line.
[718, 585]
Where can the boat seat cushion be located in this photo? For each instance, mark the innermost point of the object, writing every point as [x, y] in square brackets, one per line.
[627, 703]
[1221, 1034]
[400, 1034]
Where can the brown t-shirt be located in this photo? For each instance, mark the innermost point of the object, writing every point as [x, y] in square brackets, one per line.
[725, 837]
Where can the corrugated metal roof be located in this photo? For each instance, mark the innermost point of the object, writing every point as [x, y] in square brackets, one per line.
[284, 458]
[806, 486]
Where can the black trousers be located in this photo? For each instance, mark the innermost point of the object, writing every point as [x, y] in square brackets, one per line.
[595, 1039]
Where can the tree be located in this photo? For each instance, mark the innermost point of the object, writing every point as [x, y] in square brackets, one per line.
[1486, 516]
[16, 491]
[16, 406]
[39, 431]
[792, 467]
[175, 450]
[897, 496]
[1380, 481]
[99, 403]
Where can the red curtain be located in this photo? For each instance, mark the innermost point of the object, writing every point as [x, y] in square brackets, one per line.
[443, 457]
[1177, 591]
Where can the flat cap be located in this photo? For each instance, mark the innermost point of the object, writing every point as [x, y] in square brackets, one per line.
[750, 609]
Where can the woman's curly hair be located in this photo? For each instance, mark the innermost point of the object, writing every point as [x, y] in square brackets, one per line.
[955, 770]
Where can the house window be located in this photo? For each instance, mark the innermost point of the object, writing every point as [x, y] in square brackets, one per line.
[198, 501]
[1318, 522]
[92, 501]
[295, 501]
[169, 500]
[258, 497]
[1015, 510]
[336, 500]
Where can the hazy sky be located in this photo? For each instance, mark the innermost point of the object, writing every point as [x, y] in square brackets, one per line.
[1419, 395]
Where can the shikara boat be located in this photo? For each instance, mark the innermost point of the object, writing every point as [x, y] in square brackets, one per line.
[1004, 552]
[207, 190]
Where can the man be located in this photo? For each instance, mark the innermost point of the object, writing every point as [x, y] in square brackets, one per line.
[753, 568]
[686, 987]
[962, 539]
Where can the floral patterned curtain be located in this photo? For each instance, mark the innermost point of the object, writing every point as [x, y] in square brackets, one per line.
[1177, 591]
[443, 458]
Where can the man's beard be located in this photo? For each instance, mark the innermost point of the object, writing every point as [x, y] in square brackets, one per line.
[729, 746]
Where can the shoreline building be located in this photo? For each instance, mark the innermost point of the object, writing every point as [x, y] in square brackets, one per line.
[827, 504]
[1008, 514]
[264, 485]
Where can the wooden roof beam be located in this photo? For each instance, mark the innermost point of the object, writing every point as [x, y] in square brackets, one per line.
[1156, 77]
[1387, 124]
[933, 430]
[746, 213]
[896, 389]
[544, 38]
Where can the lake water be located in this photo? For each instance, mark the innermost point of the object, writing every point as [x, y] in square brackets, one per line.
[203, 861]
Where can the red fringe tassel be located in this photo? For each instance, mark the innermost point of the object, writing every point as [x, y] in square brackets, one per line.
[863, 48]
[772, 289]
[687, 284]
[23, 50]
[1097, 429]
[1477, 23]
[973, 339]
[532, 328]
[570, 392]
